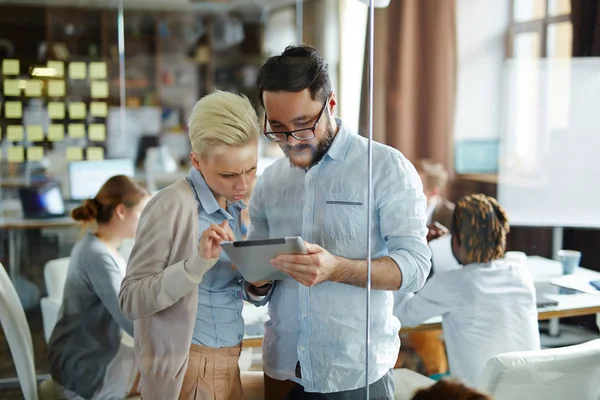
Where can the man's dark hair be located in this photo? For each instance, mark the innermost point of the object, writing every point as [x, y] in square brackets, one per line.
[296, 69]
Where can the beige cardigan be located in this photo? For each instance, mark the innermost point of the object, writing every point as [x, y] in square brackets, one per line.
[159, 291]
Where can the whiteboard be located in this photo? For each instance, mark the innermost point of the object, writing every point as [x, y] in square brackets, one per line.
[549, 165]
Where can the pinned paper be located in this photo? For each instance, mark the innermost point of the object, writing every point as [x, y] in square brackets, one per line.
[35, 133]
[56, 132]
[95, 153]
[15, 154]
[33, 88]
[77, 110]
[58, 67]
[56, 88]
[98, 70]
[14, 133]
[77, 70]
[56, 110]
[76, 131]
[97, 132]
[35, 153]
[11, 87]
[99, 89]
[13, 109]
[98, 109]
[74, 154]
[11, 67]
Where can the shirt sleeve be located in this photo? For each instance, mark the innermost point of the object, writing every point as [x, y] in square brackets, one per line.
[151, 284]
[402, 205]
[438, 297]
[105, 279]
[259, 229]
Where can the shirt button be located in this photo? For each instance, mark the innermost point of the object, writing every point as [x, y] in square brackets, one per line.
[309, 176]
[302, 349]
[307, 209]
[238, 311]
[303, 315]
[240, 337]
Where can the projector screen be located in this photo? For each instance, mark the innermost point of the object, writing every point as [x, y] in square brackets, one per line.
[549, 172]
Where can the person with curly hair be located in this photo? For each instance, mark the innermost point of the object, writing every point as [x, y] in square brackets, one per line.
[488, 306]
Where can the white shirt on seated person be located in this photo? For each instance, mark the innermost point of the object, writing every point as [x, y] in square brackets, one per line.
[487, 308]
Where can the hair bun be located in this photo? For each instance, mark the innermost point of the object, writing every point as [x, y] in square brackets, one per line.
[86, 212]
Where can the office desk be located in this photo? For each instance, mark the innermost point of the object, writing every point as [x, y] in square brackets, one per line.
[15, 225]
[543, 270]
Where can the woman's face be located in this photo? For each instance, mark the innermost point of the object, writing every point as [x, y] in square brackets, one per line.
[229, 171]
[129, 218]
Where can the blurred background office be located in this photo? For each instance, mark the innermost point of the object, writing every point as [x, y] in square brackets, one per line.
[492, 93]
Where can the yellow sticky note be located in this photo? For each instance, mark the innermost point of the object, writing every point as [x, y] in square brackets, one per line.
[97, 132]
[95, 153]
[11, 67]
[98, 109]
[97, 70]
[99, 89]
[56, 132]
[58, 67]
[14, 133]
[15, 154]
[13, 109]
[35, 153]
[33, 88]
[77, 110]
[76, 131]
[11, 87]
[74, 153]
[56, 110]
[77, 70]
[56, 88]
[35, 133]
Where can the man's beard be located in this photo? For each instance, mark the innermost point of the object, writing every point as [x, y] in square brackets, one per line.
[318, 151]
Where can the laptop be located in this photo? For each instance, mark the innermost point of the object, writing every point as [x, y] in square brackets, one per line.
[42, 201]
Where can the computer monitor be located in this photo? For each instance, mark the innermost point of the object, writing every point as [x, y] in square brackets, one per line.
[87, 177]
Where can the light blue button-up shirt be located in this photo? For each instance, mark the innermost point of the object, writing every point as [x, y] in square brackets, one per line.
[323, 327]
[219, 321]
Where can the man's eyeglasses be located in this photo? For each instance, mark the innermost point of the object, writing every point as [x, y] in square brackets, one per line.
[299, 134]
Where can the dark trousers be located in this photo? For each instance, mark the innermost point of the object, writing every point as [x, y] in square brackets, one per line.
[275, 389]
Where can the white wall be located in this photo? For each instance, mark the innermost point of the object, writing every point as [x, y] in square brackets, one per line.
[481, 31]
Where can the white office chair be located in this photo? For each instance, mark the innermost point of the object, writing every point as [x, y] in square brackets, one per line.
[554, 374]
[18, 335]
[55, 276]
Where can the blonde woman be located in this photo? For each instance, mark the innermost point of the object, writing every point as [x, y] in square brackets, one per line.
[181, 291]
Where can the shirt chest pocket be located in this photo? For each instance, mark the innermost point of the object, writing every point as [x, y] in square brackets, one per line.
[345, 216]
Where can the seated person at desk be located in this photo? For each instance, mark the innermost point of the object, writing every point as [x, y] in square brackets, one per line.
[428, 344]
[85, 352]
[435, 177]
[489, 305]
[181, 291]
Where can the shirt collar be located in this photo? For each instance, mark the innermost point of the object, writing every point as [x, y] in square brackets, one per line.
[206, 196]
[340, 144]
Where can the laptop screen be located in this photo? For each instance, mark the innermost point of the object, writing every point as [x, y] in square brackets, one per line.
[42, 201]
[87, 177]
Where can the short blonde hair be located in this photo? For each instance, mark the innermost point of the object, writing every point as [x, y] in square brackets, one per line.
[222, 118]
[433, 174]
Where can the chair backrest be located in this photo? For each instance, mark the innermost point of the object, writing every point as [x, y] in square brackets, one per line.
[18, 335]
[55, 276]
[553, 374]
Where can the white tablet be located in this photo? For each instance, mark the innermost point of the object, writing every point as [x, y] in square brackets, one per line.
[252, 257]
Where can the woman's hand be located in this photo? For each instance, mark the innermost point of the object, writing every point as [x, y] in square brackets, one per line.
[210, 242]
